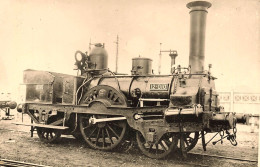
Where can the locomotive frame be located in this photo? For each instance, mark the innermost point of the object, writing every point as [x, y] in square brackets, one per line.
[109, 110]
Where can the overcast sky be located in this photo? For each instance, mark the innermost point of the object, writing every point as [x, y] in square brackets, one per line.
[44, 35]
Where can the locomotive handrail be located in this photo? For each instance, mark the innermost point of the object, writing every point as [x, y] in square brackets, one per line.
[144, 99]
[151, 75]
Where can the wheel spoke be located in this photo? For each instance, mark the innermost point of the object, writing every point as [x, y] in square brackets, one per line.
[113, 131]
[115, 98]
[150, 148]
[109, 136]
[45, 135]
[92, 133]
[103, 135]
[119, 124]
[156, 148]
[164, 148]
[167, 142]
[88, 126]
[111, 96]
[48, 135]
[97, 136]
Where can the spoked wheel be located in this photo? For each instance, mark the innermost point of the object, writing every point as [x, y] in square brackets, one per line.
[48, 135]
[190, 140]
[103, 135]
[164, 147]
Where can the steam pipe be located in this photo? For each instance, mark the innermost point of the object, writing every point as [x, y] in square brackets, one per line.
[198, 14]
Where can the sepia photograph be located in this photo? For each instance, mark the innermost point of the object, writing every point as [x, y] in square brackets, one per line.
[129, 83]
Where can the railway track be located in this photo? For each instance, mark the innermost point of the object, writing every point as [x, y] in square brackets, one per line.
[195, 163]
[11, 163]
[223, 157]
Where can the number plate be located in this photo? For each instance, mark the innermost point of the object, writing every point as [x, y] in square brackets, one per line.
[159, 87]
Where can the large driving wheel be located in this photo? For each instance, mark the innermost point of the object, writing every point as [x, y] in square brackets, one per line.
[103, 135]
[164, 147]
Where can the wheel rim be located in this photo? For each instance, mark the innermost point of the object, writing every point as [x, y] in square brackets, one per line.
[190, 140]
[48, 135]
[103, 135]
[164, 147]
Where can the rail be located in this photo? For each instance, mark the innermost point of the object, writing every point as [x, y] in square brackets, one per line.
[6, 162]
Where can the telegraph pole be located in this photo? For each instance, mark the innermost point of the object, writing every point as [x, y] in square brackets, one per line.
[160, 58]
[117, 43]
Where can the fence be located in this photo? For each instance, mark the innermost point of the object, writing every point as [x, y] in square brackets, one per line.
[246, 103]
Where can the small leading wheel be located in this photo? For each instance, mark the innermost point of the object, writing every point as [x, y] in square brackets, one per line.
[103, 135]
[48, 135]
[164, 147]
[190, 140]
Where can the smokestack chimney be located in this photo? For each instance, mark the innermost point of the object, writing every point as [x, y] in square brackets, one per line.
[198, 14]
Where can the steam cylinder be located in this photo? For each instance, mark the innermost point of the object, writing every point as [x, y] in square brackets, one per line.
[198, 14]
[98, 58]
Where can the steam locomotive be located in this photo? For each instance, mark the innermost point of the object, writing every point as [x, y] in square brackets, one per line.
[162, 112]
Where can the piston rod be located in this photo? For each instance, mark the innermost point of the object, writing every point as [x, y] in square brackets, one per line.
[93, 120]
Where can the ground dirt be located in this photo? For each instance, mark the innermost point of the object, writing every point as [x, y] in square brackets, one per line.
[16, 144]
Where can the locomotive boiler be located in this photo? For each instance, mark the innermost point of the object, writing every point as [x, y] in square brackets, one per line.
[162, 112]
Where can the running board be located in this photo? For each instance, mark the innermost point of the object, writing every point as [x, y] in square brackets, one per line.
[43, 126]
